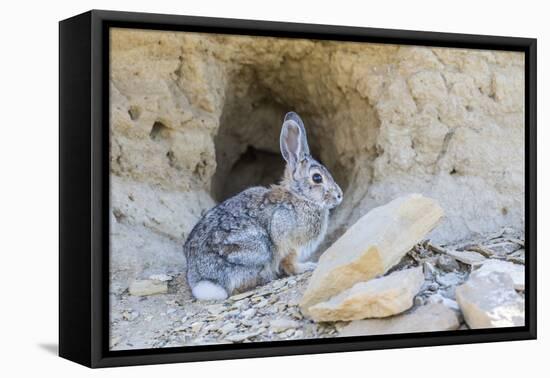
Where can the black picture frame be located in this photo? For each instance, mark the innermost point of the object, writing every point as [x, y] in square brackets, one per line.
[84, 187]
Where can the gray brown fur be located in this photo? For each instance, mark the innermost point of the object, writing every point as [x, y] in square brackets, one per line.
[261, 233]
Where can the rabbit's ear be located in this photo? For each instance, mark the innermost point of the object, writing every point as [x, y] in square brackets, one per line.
[293, 141]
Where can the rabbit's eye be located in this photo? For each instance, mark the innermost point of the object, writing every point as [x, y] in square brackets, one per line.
[317, 178]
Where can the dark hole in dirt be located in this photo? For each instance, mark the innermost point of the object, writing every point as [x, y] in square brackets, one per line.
[504, 211]
[453, 172]
[254, 167]
[171, 159]
[159, 131]
[119, 215]
[248, 152]
[247, 142]
[134, 112]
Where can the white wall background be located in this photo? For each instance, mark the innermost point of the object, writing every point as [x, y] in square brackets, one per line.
[29, 185]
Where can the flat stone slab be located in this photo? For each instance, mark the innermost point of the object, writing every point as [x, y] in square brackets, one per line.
[370, 247]
[468, 257]
[516, 271]
[489, 300]
[377, 298]
[431, 317]
[148, 287]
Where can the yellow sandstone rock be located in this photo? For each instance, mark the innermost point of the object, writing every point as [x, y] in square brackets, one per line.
[428, 318]
[370, 247]
[378, 298]
[148, 287]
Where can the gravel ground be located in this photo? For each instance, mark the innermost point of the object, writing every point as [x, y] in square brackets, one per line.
[271, 312]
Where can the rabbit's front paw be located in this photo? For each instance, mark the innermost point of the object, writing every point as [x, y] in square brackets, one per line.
[306, 267]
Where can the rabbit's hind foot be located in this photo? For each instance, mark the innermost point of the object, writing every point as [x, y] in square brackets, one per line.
[208, 291]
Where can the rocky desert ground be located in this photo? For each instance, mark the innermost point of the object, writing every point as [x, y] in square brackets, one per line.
[171, 317]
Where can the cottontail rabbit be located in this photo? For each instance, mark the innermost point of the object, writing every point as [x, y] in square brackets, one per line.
[251, 238]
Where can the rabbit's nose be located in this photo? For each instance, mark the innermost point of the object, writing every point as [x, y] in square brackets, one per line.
[338, 196]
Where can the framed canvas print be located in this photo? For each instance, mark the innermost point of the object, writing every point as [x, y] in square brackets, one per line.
[234, 188]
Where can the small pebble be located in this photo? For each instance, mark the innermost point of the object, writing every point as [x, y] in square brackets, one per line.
[248, 313]
[262, 303]
[282, 324]
[197, 326]
[227, 327]
[447, 263]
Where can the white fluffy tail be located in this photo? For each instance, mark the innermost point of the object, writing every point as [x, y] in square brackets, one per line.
[208, 291]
